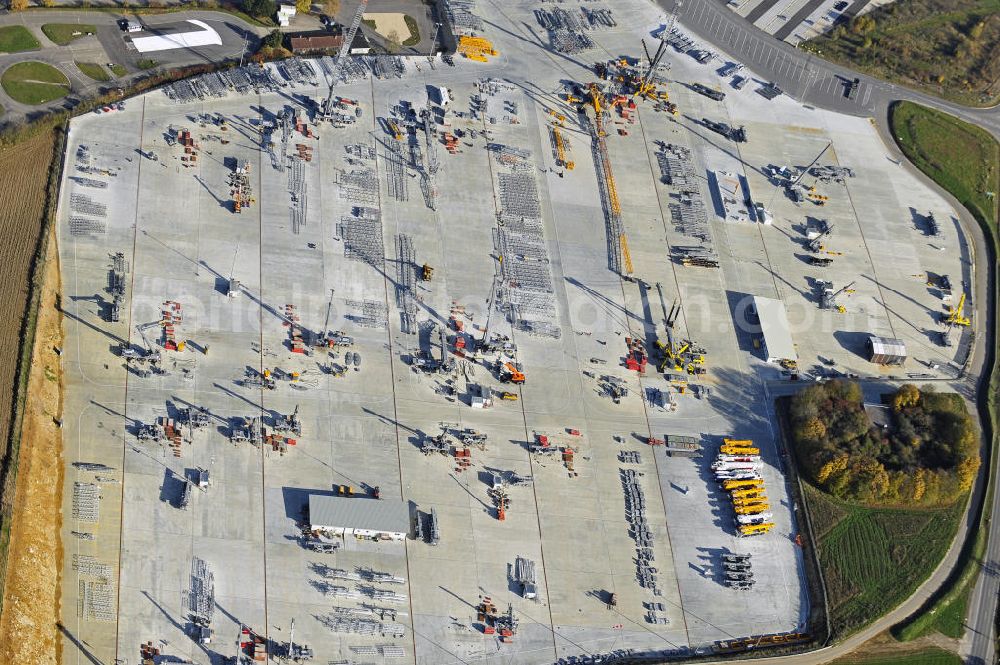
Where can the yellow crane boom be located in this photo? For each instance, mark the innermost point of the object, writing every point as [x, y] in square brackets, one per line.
[561, 149]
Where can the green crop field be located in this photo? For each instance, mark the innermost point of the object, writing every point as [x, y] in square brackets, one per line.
[64, 33]
[16, 38]
[93, 70]
[874, 558]
[929, 656]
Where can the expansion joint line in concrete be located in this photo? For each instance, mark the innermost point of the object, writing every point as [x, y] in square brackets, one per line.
[868, 253]
[760, 227]
[680, 299]
[392, 372]
[260, 327]
[524, 420]
[121, 512]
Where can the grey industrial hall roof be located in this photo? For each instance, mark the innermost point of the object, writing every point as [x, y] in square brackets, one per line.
[887, 346]
[774, 327]
[359, 513]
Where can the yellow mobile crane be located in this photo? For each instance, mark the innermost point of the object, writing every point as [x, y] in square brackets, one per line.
[955, 315]
[645, 87]
[749, 493]
[683, 355]
[752, 510]
[597, 101]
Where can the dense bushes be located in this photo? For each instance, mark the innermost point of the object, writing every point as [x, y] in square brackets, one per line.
[946, 46]
[927, 456]
[259, 8]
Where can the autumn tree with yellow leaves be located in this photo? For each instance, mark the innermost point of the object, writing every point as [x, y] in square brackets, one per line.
[927, 456]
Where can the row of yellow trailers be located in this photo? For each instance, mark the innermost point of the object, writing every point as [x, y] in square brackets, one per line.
[747, 495]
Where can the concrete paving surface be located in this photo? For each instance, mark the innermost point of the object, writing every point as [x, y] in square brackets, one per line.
[138, 560]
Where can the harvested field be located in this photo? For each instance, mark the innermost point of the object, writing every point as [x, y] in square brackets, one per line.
[30, 604]
[24, 171]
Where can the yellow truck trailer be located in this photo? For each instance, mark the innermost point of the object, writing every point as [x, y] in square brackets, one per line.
[742, 484]
[738, 450]
[755, 529]
[749, 493]
[750, 501]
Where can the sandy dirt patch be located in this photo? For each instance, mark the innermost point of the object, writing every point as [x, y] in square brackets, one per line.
[387, 23]
[28, 626]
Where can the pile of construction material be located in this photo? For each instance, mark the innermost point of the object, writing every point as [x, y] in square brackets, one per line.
[635, 513]
[494, 623]
[82, 220]
[431, 533]
[117, 285]
[527, 291]
[292, 73]
[462, 17]
[696, 256]
[738, 468]
[737, 571]
[567, 30]
[371, 620]
[476, 48]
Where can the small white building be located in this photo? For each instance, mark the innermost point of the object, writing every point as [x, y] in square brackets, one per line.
[285, 13]
[731, 196]
[362, 518]
[773, 320]
[442, 95]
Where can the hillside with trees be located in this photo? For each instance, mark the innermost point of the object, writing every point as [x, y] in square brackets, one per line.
[948, 47]
[927, 455]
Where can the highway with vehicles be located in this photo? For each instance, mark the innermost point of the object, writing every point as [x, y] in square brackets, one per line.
[816, 82]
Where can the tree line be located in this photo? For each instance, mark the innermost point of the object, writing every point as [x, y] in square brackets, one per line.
[926, 454]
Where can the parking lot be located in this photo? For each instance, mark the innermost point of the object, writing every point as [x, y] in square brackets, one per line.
[304, 255]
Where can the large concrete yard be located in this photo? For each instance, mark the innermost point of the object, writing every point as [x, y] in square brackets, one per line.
[128, 570]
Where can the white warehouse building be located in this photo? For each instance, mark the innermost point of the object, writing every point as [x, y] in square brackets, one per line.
[361, 518]
[778, 344]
